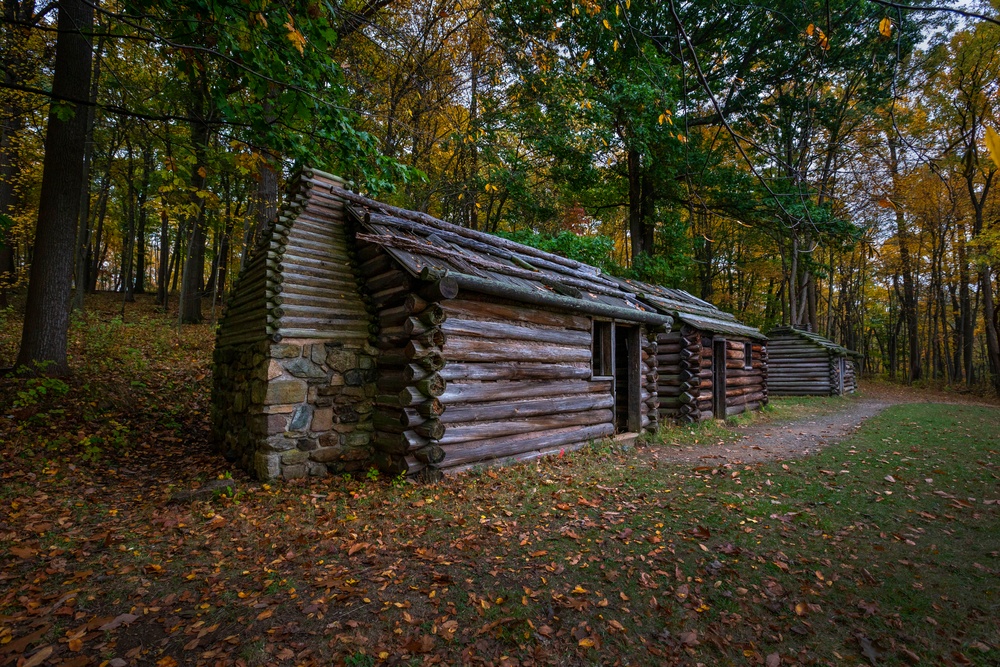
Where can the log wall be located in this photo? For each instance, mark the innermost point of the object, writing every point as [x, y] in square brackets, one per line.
[850, 377]
[798, 367]
[678, 360]
[518, 383]
[686, 376]
[409, 315]
[746, 388]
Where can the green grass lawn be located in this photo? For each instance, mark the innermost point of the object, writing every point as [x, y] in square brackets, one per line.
[884, 549]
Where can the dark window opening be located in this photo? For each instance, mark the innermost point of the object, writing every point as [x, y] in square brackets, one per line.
[603, 351]
[748, 355]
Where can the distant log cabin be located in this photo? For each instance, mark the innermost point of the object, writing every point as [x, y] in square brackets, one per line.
[362, 334]
[802, 363]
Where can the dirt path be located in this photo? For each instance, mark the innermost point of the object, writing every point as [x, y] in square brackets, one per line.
[777, 441]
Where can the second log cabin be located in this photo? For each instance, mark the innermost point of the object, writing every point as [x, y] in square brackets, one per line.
[709, 365]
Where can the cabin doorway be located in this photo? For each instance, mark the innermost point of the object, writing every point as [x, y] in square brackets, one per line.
[842, 369]
[719, 378]
[628, 418]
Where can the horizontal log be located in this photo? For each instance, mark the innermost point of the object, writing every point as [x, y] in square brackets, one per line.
[738, 364]
[290, 321]
[376, 265]
[739, 409]
[432, 429]
[412, 305]
[745, 396]
[414, 351]
[531, 455]
[467, 432]
[399, 443]
[461, 348]
[433, 338]
[798, 379]
[432, 384]
[477, 392]
[431, 408]
[477, 309]
[389, 279]
[441, 289]
[481, 450]
[505, 331]
[515, 371]
[431, 454]
[410, 396]
[670, 402]
[390, 295]
[742, 381]
[743, 372]
[506, 409]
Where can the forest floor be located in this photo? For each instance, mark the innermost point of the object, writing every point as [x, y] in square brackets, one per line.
[124, 540]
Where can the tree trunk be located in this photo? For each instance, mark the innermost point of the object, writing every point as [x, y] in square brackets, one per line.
[46, 318]
[906, 264]
[83, 229]
[194, 263]
[8, 167]
[95, 259]
[647, 213]
[140, 236]
[128, 241]
[990, 323]
[267, 195]
[163, 273]
[635, 204]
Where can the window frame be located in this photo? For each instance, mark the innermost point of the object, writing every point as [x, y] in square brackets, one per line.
[747, 355]
[602, 333]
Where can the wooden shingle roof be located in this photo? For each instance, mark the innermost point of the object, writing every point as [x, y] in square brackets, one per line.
[815, 339]
[429, 248]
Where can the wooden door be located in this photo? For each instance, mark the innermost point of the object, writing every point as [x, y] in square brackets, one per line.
[842, 369]
[719, 378]
[628, 390]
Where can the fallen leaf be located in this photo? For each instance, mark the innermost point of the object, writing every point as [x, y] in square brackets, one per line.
[39, 657]
[689, 638]
[121, 619]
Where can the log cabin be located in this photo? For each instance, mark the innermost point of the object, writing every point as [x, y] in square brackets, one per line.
[803, 363]
[359, 334]
[709, 365]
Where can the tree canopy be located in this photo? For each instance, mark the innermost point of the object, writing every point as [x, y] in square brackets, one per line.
[822, 163]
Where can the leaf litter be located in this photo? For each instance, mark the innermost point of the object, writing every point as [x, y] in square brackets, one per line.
[596, 557]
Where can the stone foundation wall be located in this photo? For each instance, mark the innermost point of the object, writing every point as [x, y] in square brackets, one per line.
[300, 407]
[238, 392]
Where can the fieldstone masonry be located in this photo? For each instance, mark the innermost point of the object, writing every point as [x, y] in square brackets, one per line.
[306, 408]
